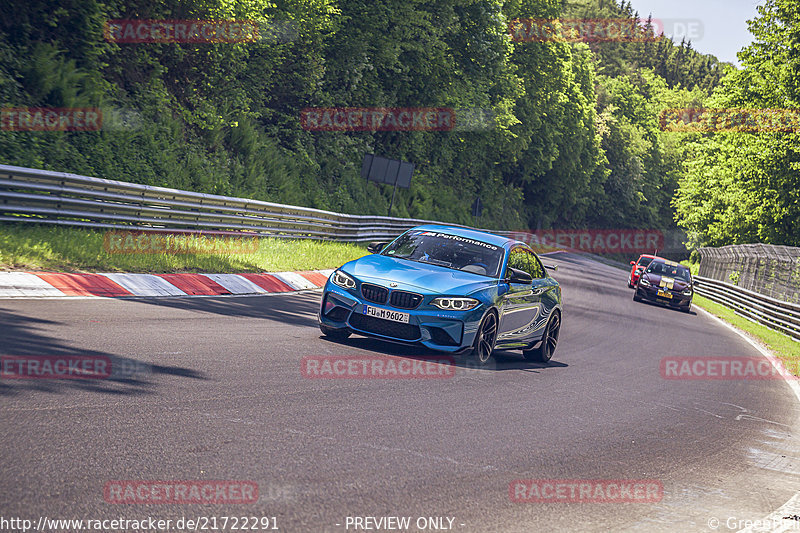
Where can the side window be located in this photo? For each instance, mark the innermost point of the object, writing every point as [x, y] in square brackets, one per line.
[537, 270]
[518, 258]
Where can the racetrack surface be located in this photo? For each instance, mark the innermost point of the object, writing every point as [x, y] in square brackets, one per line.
[224, 398]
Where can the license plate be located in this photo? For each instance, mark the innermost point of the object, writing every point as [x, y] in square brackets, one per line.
[394, 316]
[664, 294]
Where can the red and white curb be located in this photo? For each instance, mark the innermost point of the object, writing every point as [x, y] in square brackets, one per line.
[121, 285]
[114, 285]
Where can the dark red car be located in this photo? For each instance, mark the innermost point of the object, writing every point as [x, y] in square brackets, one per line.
[666, 282]
[637, 267]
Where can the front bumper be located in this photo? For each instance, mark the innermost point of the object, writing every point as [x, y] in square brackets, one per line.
[651, 294]
[446, 331]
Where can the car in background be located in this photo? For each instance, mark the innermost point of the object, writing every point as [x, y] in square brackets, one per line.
[666, 282]
[637, 267]
[450, 289]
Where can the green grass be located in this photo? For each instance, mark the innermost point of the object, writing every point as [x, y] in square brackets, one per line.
[31, 247]
[786, 348]
[694, 268]
[783, 346]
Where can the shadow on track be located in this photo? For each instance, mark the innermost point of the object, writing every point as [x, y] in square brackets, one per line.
[19, 336]
[501, 360]
[297, 309]
[656, 304]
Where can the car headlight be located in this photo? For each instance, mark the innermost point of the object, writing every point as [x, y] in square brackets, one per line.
[646, 282]
[455, 304]
[343, 280]
[688, 292]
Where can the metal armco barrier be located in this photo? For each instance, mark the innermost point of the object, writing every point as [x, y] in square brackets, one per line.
[42, 196]
[767, 269]
[775, 314]
[46, 197]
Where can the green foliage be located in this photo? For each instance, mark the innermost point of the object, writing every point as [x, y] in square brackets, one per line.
[574, 141]
[745, 187]
[679, 65]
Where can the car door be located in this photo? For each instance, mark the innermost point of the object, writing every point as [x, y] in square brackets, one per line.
[519, 306]
[546, 290]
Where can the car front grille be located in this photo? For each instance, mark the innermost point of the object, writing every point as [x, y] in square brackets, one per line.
[405, 300]
[387, 328]
[374, 293]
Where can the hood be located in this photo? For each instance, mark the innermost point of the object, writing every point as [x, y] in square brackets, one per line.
[381, 269]
[666, 282]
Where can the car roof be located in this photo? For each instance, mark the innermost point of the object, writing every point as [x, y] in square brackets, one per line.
[668, 262]
[483, 236]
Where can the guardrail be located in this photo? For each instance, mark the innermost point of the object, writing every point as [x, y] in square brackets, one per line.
[767, 269]
[42, 196]
[775, 314]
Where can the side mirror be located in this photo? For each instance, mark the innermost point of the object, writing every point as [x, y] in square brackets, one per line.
[376, 247]
[633, 262]
[554, 268]
[519, 276]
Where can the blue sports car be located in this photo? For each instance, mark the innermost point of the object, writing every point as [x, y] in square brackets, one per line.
[451, 289]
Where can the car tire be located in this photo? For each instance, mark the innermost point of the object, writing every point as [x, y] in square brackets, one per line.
[547, 347]
[334, 333]
[687, 309]
[485, 339]
[636, 297]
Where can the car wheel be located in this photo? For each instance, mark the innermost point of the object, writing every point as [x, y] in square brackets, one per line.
[485, 339]
[688, 308]
[636, 297]
[334, 333]
[547, 348]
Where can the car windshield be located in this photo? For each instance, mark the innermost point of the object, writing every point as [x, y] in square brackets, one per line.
[670, 271]
[449, 251]
[644, 261]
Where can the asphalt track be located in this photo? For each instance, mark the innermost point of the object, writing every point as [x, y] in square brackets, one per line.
[223, 397]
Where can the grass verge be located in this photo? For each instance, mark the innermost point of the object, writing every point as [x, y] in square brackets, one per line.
[694, 268]
[783, 346]
[26, 247]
